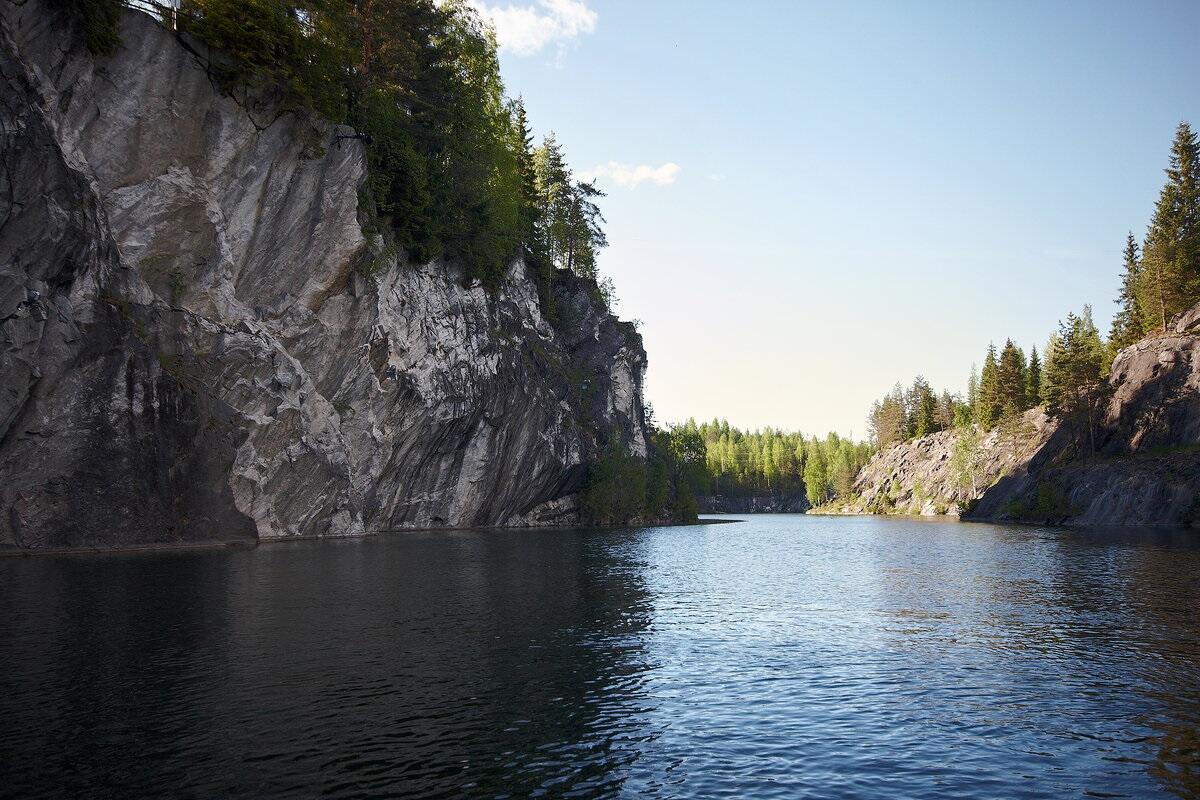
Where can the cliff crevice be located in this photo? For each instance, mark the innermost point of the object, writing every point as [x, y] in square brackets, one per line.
[189, 350]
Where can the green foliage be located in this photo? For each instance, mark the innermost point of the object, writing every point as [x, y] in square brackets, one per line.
[292, 49]
[965, 457]
[1074, 376]
[621, 488]
[1048, 504]
[1167, 278]
[1128, 324]
[99, 23]
[451, 165]
[740, 463]
[615, 490]
[987, 400]
[1033, 379]
[902, 415]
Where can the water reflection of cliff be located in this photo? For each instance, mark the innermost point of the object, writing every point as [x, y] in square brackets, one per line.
[1162, 587]
[482, 663]
[465, 663]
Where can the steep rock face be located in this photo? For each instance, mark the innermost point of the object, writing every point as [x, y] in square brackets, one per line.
[189, 351]
[1146, 470]
[923, 476]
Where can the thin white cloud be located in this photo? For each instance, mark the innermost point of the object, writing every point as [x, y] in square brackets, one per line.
[526, 29]
[631, 175]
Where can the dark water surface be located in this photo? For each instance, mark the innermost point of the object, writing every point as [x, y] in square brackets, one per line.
[786, 656]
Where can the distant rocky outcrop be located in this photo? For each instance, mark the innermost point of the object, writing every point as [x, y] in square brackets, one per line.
[1145, 469]
[191, 349]
[945, 472]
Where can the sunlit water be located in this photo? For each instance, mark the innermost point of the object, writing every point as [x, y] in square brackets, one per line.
[784, 656]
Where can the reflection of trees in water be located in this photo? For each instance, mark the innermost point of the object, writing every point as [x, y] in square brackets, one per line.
[1162, 588]
[1133, 603]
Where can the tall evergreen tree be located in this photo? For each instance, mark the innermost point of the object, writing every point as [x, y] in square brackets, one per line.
[973, 391]
[922, 404]
[1169, 276]
[1074, 377]
[1033, 379]
[1048, 365]
[1128, 325]
[1010, 380]
[987, 398]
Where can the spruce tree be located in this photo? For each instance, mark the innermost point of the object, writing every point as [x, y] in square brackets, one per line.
[973, 391]
[1128, 324]
[987, 398]
[1169, 275]
[1010, 381]
[1074, 377]
[1033, 379]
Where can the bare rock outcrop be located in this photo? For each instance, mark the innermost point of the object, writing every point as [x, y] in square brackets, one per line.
[945, 472]
[1144, 469]
[1146, 466]
[189, 349]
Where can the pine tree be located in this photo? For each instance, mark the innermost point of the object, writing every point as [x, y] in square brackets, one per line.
[1010, 381]
[1169, 275]
[973, 391]
[1128, 325]
[922, 404]
[1074, 376]
[1033, 379]
[1047, 365]
[987, 398]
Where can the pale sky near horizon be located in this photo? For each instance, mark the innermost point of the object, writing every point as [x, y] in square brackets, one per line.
[808, 202]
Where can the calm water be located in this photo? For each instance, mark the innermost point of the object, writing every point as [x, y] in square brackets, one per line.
[785, 656]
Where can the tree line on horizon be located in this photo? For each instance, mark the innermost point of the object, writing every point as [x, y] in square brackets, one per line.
[453, 171]
[1160, 278]
[773, 461]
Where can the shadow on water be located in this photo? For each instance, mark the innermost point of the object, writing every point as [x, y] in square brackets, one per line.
[785, 656]
[480, 663]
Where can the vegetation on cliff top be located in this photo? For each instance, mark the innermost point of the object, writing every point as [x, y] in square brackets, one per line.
[452, 168]
[1160, 279]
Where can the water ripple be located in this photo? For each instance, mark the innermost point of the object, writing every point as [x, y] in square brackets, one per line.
[782, 657]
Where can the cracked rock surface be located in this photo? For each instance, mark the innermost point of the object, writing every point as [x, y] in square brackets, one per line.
[189, 352]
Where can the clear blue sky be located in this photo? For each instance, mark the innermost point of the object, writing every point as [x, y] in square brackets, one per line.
[865, 191]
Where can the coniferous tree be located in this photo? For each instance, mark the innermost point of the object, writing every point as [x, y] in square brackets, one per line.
[973, 391]
[1169, 275]
[1033, 379]
[946, 408]
[987, 398]
[888, 422]
[1010, 381]
[1128, 324]
[922, 404]
[1074, 377]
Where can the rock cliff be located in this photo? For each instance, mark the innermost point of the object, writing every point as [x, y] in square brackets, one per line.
[189, 347]
[941, 473]
[1145, 469]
